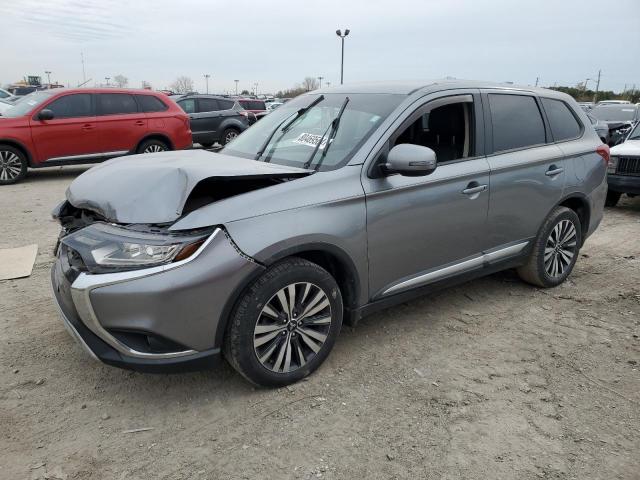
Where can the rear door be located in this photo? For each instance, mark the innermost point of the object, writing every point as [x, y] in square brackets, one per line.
[527, 170]
[121, 124]
[73, 132]
[208, 118]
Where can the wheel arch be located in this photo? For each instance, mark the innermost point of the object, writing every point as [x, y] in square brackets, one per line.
[155, 136]
[18, 145]
[579, 203]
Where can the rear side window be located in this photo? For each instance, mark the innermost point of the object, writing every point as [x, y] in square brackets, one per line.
[189, 106]
[116, 103]
[149, 103]
[253, 104]
[516, 120]
[71, 106]
[225, 104]
[208, 105]
[563, 123]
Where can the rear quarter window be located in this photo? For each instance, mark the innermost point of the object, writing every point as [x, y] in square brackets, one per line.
[516, 120]
[563, 123]
[149, 103]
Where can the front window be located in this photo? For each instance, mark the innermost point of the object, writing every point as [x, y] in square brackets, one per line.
[27, 104]
[295, 146]
[635, 135]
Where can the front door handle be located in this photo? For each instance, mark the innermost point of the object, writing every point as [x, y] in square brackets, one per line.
[88, 126]
[140, 123]
[472, 190]
[553, 171]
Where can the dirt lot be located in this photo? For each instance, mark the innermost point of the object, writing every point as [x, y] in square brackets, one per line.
[493, 379]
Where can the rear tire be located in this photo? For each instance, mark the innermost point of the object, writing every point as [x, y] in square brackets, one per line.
[285, 324]
[13, 165]
[206, 145]
[228, 135]
[612, 199]
[555, 250]
[152, 146]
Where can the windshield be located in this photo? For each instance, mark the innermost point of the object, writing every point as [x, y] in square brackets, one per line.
[362, 115]
[27, 103]
[635, 135]
[621, 113]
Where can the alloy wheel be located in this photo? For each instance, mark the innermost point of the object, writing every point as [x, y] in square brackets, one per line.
[230, 136]
[10, 165]
[560, 248]
[292, 327]
[154, 148]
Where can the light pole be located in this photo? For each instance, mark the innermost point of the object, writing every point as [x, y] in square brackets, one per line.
[320, 79]
[255, 89]
[206, 78]
[236, 86]
[339, 33]
[107, 79]
[48, 76]
[328, 84]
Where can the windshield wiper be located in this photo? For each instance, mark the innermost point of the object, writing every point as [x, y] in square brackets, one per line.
[335, 123]
[297, 115]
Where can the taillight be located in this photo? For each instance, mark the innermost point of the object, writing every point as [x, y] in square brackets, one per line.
[244, 113]
[603, 151]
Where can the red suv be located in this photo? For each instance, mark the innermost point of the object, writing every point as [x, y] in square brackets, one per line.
[72, 126]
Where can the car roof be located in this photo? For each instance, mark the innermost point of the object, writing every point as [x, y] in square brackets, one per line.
[426, 86]
[137, 91]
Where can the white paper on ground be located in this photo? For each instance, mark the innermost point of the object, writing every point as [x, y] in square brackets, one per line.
[17, 262]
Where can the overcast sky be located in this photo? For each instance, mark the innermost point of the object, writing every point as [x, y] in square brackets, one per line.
[279, 42]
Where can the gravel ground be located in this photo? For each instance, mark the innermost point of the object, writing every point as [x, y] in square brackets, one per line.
[491, 379]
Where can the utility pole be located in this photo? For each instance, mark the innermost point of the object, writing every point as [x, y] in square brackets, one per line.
[206, 78]
[84, 75]
[320, 78]
[537, 78]
[339, 33]
[107, 79]
[48, 77]
[595, 96]
[236, 86]
[328, 84]
[255, 89]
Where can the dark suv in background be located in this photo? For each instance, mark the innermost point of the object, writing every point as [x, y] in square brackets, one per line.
[214, 119]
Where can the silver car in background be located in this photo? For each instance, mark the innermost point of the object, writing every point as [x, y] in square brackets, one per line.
[339, 203]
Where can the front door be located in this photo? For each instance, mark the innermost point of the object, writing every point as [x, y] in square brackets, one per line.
[423, 229]
[72, 134]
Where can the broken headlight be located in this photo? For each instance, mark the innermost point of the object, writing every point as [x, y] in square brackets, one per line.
[108, 248]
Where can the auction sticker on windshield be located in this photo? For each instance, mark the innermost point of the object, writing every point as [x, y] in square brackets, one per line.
[310, 140]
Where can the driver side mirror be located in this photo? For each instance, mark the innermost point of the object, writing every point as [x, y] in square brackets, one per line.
[45, 114]
[410, 160]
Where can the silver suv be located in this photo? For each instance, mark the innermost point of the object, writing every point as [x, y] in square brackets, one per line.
[339, 203]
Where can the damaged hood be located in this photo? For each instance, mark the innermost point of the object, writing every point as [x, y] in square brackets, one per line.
[154, 188]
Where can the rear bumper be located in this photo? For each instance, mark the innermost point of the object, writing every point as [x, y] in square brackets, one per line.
[117, 316]
[624, 184]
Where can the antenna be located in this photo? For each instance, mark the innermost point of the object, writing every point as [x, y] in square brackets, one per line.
[84, 75]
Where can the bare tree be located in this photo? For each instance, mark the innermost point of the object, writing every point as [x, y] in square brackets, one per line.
[182, 85]
[121, 81]
[310, 83]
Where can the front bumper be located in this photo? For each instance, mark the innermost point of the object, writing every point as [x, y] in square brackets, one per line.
[624, 183]
[185, 304]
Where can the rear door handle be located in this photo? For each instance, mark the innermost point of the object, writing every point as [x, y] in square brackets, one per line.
[553, 171]
[88, 126]
[474, 190]
[140, 123]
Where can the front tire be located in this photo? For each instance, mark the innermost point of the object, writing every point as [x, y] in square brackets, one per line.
[612, 199]
[13, 165]
[555, 250]
[285, 324]
[152, 146]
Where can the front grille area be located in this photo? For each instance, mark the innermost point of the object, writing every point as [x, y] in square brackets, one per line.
[628, 166]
